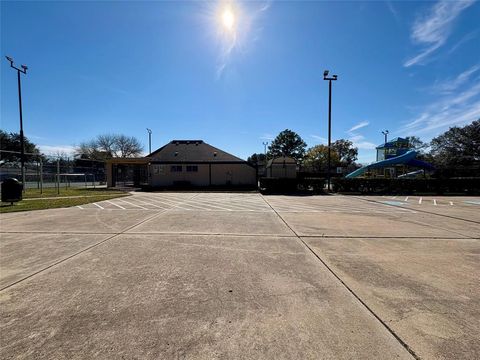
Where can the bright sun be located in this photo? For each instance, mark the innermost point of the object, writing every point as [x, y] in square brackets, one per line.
[228, 19]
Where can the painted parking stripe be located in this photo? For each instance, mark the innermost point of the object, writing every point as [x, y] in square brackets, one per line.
[420, 200]
[129, 203]
[202, 206]
[434, 202]
[150, 203]
[153, 202]
[451, 202]
[100, 207]
[110, 202]
[406, 199]
[234, 206]
[170, 203]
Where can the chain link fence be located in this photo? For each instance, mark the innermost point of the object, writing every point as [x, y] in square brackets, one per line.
[60, 172]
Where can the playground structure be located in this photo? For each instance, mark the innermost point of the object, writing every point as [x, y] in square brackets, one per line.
[394, 159]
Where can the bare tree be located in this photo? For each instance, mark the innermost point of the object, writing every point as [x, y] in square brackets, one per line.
[110, 145]
[127, 146]
[107, 143]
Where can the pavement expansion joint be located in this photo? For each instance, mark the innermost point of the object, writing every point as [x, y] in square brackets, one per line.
[81, 251]
[166, 233]
[386, 237]
[85, 249]
[385, 325]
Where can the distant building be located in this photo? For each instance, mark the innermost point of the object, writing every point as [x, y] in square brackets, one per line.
[183, 163]
[392, 148]
[282, 167]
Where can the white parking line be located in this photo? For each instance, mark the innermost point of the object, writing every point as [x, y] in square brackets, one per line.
[170, 203]
[98, 206]
[147, 203]
[121, 207]
[127, 202]
[451, 202]
[80, 207]
[406, 199]
[434, 202]
[420, 200]
[205, 206]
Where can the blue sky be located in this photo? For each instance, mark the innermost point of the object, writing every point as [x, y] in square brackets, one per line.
[176, 67]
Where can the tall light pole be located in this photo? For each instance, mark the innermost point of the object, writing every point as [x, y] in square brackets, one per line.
[23, 70]
[149, 140]
[385, 133]
[265, 143]
[329, 79]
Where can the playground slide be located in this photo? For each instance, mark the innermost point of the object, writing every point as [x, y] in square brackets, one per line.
[401, 159]
[412, 174]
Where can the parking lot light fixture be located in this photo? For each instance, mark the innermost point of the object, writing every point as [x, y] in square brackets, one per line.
[23, 70]
[329, 79]
[149, 140]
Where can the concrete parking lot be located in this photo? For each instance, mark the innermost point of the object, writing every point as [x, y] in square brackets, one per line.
[242, 276]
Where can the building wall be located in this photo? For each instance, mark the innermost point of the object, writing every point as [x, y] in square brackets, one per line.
[234, 174]
[282, 171]
[161, 175]
[221, 174]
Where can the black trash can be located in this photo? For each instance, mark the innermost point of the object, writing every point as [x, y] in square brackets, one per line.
[11, 190]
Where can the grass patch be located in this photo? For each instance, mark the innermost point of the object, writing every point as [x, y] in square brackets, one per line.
[52, 192]
[59, 201]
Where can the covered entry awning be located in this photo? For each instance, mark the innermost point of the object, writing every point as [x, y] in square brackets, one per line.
[127, 171]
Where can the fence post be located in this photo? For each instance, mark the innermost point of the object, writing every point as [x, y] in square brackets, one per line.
[41, 176]
[38, 174]
[58, 176]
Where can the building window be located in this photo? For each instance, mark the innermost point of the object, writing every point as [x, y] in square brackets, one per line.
[192, 168]
[176, 168]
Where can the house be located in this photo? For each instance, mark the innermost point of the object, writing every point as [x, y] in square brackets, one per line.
[183, 163]
[282, 167]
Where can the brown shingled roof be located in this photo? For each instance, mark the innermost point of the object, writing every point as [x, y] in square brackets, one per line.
[191, 151]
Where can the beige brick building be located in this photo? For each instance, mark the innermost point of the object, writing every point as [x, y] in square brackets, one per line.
[184, 163]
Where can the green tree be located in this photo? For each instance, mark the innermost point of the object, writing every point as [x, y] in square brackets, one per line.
[256, 159]
[287, 143]
[416, 144]
[457, 146]
[345, 151]
[11, 142]
[316, 158]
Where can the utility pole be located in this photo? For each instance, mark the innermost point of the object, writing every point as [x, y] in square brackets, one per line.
[22, 140]
[329, 79]
[149, 140]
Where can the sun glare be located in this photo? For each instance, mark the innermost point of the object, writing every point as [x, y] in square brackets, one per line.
[228, 19]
